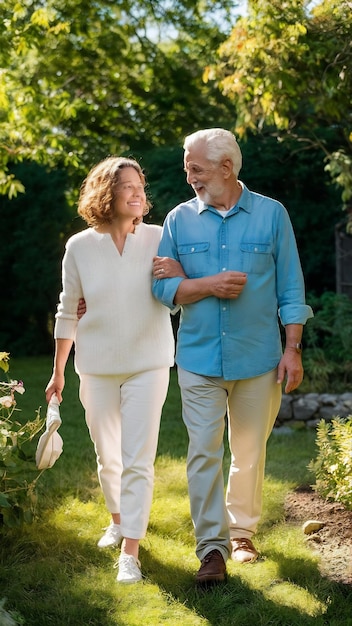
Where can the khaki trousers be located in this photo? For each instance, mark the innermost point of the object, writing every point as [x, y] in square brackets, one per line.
[251, 406]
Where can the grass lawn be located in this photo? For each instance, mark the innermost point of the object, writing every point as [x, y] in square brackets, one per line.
[53, 574]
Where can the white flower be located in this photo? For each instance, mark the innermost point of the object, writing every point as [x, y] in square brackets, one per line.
[333, 468]
[17, 386]
[7, 401]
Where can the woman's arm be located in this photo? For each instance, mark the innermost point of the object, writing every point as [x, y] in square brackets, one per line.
[57, 380]
[166, 267]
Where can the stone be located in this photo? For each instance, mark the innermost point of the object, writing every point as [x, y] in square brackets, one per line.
[346, 397]
[312, 525]
[312, 396]
[283, 430]
[328, 398]
[285, 412]
[314, 537]
[312, 423]
[304, 409]
[327, 413]
[312, 407]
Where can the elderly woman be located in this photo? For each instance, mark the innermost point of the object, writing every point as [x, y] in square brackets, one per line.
[124, 345]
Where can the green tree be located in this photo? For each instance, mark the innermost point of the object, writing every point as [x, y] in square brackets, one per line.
[295, 177]
[83, 79]
[34, 227]
[286, 67]
[167, 185]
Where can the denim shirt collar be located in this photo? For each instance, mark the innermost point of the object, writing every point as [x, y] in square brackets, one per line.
[244, 203]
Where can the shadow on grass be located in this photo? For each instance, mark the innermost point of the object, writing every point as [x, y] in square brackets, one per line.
[56, 578]
[72, 583]
[235, 603]
[67, 583]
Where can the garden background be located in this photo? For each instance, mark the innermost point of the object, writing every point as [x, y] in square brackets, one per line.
[81, 80]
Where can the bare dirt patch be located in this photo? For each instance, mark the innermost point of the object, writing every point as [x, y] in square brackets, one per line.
[334, 540]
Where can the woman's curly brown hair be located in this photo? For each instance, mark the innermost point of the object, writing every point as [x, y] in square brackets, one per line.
[97, 194]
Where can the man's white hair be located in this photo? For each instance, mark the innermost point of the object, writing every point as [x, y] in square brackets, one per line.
[219, 144]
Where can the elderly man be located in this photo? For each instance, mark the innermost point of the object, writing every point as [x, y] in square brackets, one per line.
[242, 274]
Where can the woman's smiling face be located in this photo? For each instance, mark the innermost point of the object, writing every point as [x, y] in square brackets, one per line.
[130, 195]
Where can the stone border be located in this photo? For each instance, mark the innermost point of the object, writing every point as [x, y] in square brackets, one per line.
[306, 410]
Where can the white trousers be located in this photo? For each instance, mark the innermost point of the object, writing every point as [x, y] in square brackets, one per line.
[251, 406]
[123, 417]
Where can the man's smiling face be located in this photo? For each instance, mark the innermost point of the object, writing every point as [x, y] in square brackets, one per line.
[204, 176]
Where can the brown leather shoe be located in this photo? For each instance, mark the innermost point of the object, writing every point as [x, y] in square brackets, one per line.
[212, 569]
[243, 551]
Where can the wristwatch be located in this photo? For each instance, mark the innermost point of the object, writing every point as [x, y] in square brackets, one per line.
[296, 346]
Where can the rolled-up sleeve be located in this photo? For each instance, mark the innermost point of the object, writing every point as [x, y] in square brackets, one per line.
[295, 314]
[165, 290]
[290, 281]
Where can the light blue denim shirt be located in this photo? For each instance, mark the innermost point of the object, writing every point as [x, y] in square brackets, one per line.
[240, 338]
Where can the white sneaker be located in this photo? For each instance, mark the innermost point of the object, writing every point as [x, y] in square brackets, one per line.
[129, 569]
[111, 537]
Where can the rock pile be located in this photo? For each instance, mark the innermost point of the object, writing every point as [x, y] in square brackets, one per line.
[306, 410]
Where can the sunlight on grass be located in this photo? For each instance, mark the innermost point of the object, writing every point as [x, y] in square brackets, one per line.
[82, 518]
[273, 497]
[133, 605]
[164, 563]
[170, 514]
[289, 594]
[170, 474]
[286, 561]
[52, 572]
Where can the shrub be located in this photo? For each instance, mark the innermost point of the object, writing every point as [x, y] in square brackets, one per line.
[9, 618]
[333, 465]
[328, 342]
[18, 472]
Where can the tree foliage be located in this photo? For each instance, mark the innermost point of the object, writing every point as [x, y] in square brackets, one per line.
[282, 170]
[34, 228]
[286, 66]
[328, 341]
[82, 79]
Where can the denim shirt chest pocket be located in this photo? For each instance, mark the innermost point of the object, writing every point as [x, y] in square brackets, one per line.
[256, 257]
[194, 258]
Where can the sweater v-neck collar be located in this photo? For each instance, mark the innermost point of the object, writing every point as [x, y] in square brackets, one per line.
[108, 237]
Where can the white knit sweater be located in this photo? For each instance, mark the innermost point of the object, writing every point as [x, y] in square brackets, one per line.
[124, 330]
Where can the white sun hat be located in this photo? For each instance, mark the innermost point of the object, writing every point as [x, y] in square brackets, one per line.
[50, 443]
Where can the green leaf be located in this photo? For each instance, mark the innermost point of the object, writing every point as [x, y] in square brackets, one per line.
[4, 501]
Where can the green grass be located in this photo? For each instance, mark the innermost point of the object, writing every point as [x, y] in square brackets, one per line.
[53, 574]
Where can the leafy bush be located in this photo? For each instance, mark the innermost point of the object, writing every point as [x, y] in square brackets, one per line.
[333, 465]
[9, 618]
[18, 472]
[328, 340]
[30, 259]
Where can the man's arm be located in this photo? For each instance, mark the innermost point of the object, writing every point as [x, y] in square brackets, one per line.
[293, 336]
[223, 285]
[290, 365]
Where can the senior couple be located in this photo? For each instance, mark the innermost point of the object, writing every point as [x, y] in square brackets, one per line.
[228, 259]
